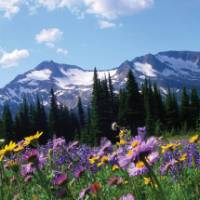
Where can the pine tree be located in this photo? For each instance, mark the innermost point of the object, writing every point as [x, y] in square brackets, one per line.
[148, 113]
[24, 119]
[113, 100]
[7, 124]
[53, 115]
[95, 110]
[81, 114]
[122, 114]
[194, 108]
[134, 104]
[184, 109]
[158, 104]
[171, 111]
[40, 120]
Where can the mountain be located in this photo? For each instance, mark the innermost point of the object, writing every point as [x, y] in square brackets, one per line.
[171, 69]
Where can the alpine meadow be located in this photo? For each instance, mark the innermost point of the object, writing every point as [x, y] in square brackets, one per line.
[98, 129]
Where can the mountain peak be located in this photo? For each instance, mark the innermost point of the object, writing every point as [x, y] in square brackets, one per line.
[169, 69]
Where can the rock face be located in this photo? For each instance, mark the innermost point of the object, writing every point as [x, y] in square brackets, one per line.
[171, 69]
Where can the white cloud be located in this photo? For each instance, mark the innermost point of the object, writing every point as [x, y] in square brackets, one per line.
[103, 24]
[112, 9]
[109, 9]
[9, 7]
[10, 59]
[62, 51]
[49, 36]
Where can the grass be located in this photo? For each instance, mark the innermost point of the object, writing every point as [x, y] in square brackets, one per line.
[185, 185]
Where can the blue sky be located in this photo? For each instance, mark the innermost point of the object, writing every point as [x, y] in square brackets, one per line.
[92, 33]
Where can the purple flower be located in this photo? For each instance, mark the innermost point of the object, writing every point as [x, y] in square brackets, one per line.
[27, 169]
[137, 169]
[60, 179]
[142, 132]
[57, 142]
[127, 197]
[32, 156]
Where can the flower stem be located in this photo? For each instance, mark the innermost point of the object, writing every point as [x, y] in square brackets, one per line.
[153, 176]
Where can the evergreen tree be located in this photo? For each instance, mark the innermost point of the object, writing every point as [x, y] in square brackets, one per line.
[105, 111]
[81, 114]
[24, 119]
[148, 113]
[194, 108]
[184, 108]
[171, 111]
[95, 111]
[40, 120]
[122, 114]
[7, 124]
[134, 104]
[113, 100]
[158, 104]
[53, 115]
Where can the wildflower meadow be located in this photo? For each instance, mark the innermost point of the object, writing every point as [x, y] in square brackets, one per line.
[134, 168]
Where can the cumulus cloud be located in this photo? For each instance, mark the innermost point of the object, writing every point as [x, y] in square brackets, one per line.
[102, 9]
[103, 24]
[109, 9]
[10, 59]
[62, 51]
[9, 7]
[49, 36]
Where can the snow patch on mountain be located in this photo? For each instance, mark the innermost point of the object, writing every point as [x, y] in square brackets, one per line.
[37, 75]
[179, 65]
[146, 69]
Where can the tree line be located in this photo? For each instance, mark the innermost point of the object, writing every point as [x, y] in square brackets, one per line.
[133, 106]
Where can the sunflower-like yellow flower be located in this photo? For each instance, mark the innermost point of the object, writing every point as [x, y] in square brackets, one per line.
[194, 139]
[33, 137]
[183, 157]
[19, 148]
[100, 164]
[115, 167]
[93, 159]
[122, 133]
[147, 181]
[1, 154]
[170, 146]
[121, 142]
[9, 147]
[104, 159]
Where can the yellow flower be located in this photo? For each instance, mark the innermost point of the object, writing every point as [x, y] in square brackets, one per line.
[194, 139]
[93, 159]
[9, 147]
[100, 164]
[139, 164]
[121, 142]
[115, 167]
[147, 181]
[1, 154]
[122, 133]
[170, 146]
[135, 143]
[19, 148]
[33, 137]
[183, 157]
[104, 159]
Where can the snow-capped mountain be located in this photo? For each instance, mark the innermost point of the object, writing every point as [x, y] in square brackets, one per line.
[169, 69]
